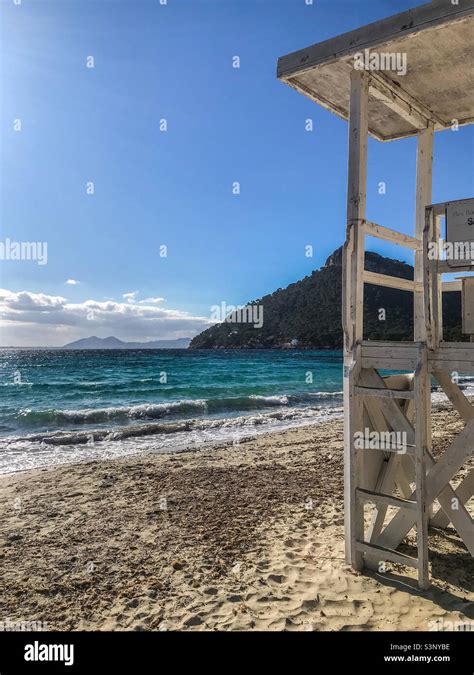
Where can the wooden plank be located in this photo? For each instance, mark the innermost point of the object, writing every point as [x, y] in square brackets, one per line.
[460, 518]
[378, 349]
[381, 344]
[386, 467]
[384, 484]
[455, 356]
[450, 462]
[375, 415]
[395, 468]
[391, 467]
[405, 476]
[435, 284]
[301, 88]
[391, 410]
[439, 209]
[353, 461]
[432, 292]
[392, 282]
[388, 500]
[371, 460]
[408, 467]
[424, 171]
[463, 493]
[451, 286]
[465, 346]
[422, 420]
[385, 363]
[455, 395]
[407, 134]
[407, 450]
[407, 106]
[393, 28]
[398, 420]
[353, 304]
[387, 393]
[399, 351]
[439, 473]
[384, 554]
[449, 365]
[403, 472]
[356, 205]
[442, 267]
[381, 232]
[401, 109]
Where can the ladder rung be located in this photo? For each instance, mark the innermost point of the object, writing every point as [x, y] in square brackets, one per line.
[387, 554]
[409, 450]
[387, 393]
[392, 282]
[390, 500]
[374, 230]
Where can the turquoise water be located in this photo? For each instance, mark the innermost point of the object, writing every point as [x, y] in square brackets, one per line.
[57, 402]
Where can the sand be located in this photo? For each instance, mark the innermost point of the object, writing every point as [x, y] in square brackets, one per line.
[239, 537]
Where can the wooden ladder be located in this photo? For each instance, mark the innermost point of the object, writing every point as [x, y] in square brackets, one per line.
[383, 409]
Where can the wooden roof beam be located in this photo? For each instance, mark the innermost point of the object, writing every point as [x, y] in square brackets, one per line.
[404, 104]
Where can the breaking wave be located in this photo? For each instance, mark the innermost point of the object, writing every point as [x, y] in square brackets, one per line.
[170, 409]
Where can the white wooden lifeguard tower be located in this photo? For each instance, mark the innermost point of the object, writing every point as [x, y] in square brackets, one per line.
[407, 487]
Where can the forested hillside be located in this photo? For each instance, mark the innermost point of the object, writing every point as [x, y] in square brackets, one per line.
[307, 314]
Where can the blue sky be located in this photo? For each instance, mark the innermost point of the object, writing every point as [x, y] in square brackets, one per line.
[174, 188]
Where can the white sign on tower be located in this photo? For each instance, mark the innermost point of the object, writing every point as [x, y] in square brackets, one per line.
[460, 233]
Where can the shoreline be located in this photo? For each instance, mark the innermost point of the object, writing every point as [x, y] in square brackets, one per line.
[242, 538]
[135, 441]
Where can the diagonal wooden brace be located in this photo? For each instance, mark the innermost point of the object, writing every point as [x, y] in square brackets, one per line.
[402, 523]
[438, 476]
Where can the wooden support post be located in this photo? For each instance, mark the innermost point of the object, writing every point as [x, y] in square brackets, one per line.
[353, 309]
[353, 267]
[437, 288]
[425, 330]
[422, 420]
[433, 287]
[424, 171]
[353, 462]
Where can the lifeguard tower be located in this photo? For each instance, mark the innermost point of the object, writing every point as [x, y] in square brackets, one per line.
[406, 486]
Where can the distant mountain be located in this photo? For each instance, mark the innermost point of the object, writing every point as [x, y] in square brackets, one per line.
[307, 314]
[114, 343]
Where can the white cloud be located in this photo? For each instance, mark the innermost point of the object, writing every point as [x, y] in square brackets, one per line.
[130, 297]
[29, 302]
[151, 301]
[30, 319]
[72, 282]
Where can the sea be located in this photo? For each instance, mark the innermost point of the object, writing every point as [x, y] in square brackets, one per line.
[62, 406]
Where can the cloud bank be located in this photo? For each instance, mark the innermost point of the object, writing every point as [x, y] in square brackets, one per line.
[35, 319]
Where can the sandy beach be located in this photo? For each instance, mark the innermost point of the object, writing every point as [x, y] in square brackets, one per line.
[238, 537]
